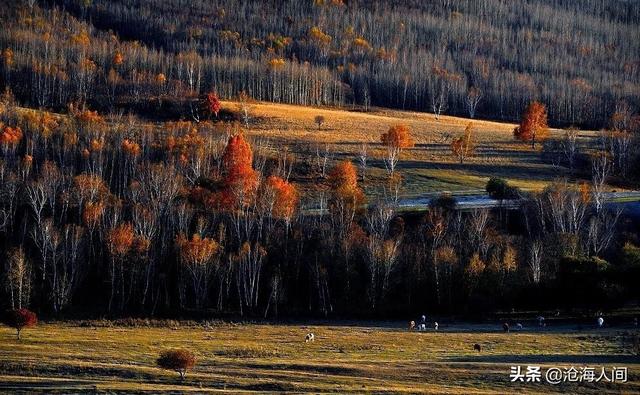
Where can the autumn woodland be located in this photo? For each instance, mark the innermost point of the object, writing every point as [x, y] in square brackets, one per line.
[137, 177]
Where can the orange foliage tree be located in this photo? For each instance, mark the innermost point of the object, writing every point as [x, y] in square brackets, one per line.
[395, 140]
[92, 214]
[9, 137]
[281, 198]
[240, 179]
[533, 125]
[130, 147]
[347, 196]
[118, 58]
[196, 255]
[89, 188]
[464, 146]
[120, 241]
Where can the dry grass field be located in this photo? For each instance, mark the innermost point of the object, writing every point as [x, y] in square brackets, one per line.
[427, 167]
[68, 358]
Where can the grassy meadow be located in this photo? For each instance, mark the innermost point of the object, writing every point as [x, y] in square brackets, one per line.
[67, 357]
[427, 167]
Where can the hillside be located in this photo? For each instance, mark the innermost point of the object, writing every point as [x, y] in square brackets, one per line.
[488, 58]
[427, 167]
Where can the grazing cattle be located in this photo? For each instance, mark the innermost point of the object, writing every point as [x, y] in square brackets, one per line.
[600, 322]
[309, 338]
[477, 347]
[505, 327]
[412, 325]
[541, 321]
[422, 327]
[519, 326]
[435, 326]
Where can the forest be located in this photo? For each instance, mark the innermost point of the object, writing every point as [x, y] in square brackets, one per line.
[486, 58]
[128, 186]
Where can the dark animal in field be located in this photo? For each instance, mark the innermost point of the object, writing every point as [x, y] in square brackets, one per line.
[309, 338]
[477, 347]
[505, 327]
[412, 325]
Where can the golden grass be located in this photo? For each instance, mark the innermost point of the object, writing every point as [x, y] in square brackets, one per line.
[346, 359]
[427, 167]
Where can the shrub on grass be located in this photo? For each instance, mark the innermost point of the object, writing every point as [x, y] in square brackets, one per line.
[177, 360]
[319, 120]
[20, 319]
[500, 189]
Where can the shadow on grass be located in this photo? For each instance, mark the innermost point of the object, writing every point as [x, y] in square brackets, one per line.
[550, 358]
[321, 369]
[85, 378]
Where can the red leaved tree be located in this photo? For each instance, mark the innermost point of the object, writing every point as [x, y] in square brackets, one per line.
[211, 103]
[177, 360]
[533, 125]
[20, 319]
[240, 179]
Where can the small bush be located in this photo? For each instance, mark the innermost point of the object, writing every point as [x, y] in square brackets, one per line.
[499, 189]
[444, 202]
[20, 319]
[319, 120]
[177, 360]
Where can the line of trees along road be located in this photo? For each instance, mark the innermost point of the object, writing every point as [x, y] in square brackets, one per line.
[488, 58]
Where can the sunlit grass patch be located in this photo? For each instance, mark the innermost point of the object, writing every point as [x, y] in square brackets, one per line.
[276, 358]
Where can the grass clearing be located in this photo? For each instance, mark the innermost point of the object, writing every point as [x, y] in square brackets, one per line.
[347, 359]
[427, 167]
